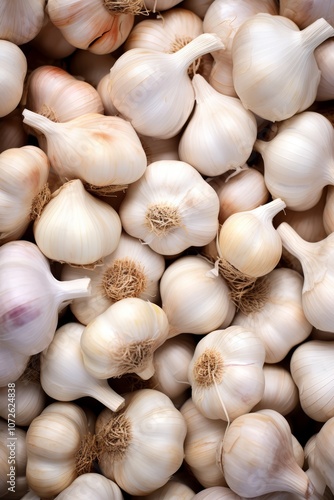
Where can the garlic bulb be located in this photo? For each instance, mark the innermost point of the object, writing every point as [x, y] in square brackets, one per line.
[299, 160]
[63, 373]
[103, 91]
[231, 131]
[20, 21]
[91, 485]
[195, 298]
[30, 299]
[277, 314]
[324, 55]
[90, 233]
[173, 489]
[323, 456]
[328, 211]
[91, 24]
[50, 42]
[203, 435]
[12, 132]
[257, 456]
[13, 455]
[157, 5]
[89, 66]
[295, 10]
[226, 373]
[272, 59]
[142, 445]
[153, 90]
[13, 63]
[159, 211]
[311, 465]
[30, 401]
[99, 150]
[198, 6]
[132, 270]
[317, 262]
[216, 493]
[23, 179]
[118, 342]
[312, 371]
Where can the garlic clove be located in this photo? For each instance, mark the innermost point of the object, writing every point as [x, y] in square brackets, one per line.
[293, 9]
[324, 55]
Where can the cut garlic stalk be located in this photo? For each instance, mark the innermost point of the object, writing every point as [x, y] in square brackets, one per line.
[14, 65]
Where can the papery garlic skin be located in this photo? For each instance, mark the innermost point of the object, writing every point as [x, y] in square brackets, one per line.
[20, 21]
[160, 212]
[151, 451]
[172, 489]
[90, 485]
[14, 68]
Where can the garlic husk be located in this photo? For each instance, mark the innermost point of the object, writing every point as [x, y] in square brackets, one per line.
[90, 233]
[294, 10]
[132, 270]
[271, 60]
[194, 297]
[50, 42]
[123, 339]
[200, 445]
[323, 456]
[312, 372]
[316, 259]
[296, 167]
[63, 373]
[90, 67]
[229, 131]
[160, 149]
[158, 209]
[226, 373]
[90, 25]
[328, 211]
[21, 21]
[153, 91]
[31, 297]
[257, 456]
[14, 68]
[324, 55]
[30, 401]
[91, 485]
[216, 493]
[99, 150]
[149, 450]
[278, 316]
[12, 133]
[13, 456]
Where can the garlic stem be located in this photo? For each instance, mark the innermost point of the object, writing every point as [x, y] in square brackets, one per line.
[270, 209]
[72, 289]
[37, 121]
[107, 396]
[316, 33]
[199, 46]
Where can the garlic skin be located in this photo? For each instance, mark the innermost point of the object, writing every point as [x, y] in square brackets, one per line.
[92, 232]
[271, 59]
[91, 485]
[294, 10]
[323, 457]
[30, 401]
[312, 372]
[149, 424]
[157, 209]
[257, 457]
[23, 175]
[63, 373]
[90, 25]
[99, 150]
[20, 21]
[103, 90]
[115, 343]
[132, 270]
[14, 68]
[194, 297]
[324, 55]
[153, 91]
[230, 131]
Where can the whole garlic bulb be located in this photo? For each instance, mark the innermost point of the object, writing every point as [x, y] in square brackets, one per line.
[160, 212]
[14, 68]
[21, 20]
[92, 231]
[142, 445]
[172, 489]
[91, 485]
[220, 133]
[271, 59]
[123, 339]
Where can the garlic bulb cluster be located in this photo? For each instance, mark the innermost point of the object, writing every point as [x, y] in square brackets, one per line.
[271, 59]
[14, 68]
[91, 485]
[157, 210]
[21, 21]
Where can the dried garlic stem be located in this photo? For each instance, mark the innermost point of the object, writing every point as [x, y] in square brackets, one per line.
[105, 190]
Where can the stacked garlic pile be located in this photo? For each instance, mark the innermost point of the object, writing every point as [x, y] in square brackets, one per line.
[166, 228]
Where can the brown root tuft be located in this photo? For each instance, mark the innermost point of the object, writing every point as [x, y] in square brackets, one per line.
[162, 219]
[133, 355]
[39, 202]
[209, 368]
[86, 455]
[33, 370]
[114, 437]
[105, 190]
[49, 113]
[133, 7]
[124, 278]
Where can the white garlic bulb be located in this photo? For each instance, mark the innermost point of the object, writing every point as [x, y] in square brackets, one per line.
[272, 59]
[173, 489]
[99, 150]
[150, 448]
[194, 297]
[220, 133]
[63, 373]
[14, 67]
[21, 20]
[91, 485]
[30, 401]
[91, 232]
[160, 212]
[152, 89]
[123, 339]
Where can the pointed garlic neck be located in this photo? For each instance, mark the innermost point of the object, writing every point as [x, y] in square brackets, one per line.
[203, 90]
[38, 121]
[72, 289]
[106, 395]
[316, 33]
[202, 44]
[268, 211]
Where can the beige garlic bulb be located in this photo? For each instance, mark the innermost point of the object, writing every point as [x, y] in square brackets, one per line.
[13, 454]
[12, 131]
[123, 339]
[101, 151]
[91, 485]
[153, 90]
[77, 228]
[21, 20]
[63, 373]
[328, 211]
[14, 68]
[132, 270]
[295, 10]
[323, 452]
[317, 261]
[30, 400]
[226, 373]
[324, 55]
[220, 133]
[24, 174]
[90, 67]
[194, 297]
[91, 24]
[271, 59]
[203, 435]
[299, 160]
[276, 313]
[160, 212]
[141, 445]
[257, 457]
[157, 5]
